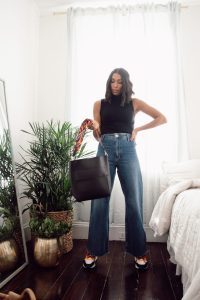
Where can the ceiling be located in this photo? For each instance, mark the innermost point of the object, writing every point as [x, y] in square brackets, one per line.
[54, 3]
[48, 4]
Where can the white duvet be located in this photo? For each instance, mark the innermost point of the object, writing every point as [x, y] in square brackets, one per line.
[178, 211]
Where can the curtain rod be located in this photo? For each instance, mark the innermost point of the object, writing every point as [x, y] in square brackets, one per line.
[64, 12]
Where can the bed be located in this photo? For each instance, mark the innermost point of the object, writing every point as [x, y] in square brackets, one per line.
[177, 212]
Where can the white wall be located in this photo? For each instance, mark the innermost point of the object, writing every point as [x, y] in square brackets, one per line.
[52, 68]
[19, 21]
[19, 24]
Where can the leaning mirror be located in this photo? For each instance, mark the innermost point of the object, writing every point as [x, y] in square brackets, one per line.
[13, 254]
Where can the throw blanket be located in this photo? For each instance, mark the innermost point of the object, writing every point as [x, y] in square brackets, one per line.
[161, 217]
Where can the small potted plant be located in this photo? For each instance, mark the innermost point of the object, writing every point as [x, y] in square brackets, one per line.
[8, 196]
[47, 238]
[9, 252]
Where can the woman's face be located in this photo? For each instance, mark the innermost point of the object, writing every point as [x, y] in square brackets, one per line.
[116, 84]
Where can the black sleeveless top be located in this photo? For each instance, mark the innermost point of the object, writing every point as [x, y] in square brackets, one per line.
[116, 118]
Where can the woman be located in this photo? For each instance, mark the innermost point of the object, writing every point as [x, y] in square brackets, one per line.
[114, 125]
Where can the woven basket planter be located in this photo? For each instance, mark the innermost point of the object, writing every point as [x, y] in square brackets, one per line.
[66, 217]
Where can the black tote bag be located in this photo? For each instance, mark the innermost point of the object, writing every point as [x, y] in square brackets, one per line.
[90, 177]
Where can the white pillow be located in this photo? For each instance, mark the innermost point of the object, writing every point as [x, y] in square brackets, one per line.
[176, 172]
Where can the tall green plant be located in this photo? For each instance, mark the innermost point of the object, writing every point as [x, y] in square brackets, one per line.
[8, 198]
[45, 166]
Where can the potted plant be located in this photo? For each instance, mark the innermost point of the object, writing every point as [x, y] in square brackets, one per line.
[45, 170]
[46, 227]
[9, 252]
[47, 238]
[8, 196]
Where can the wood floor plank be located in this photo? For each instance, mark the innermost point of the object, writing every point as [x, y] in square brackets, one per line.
[130, 280]
[113, 285]
[171, 271]
[41, 279]
[154, 283]
[99, 277]
[115, 277]
[81, 284]
[66, 278]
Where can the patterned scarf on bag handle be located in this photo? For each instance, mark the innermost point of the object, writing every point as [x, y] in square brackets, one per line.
[87, 123]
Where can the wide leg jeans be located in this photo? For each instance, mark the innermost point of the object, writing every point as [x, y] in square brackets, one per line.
[123, 158]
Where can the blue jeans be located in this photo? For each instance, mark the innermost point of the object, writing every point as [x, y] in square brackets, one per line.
[123, 157]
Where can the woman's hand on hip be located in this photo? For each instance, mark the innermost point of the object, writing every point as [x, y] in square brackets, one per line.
[95, 125]
[96, 129]
[133, 135]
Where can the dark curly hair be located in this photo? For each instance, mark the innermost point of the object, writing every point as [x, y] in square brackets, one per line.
[127, 86]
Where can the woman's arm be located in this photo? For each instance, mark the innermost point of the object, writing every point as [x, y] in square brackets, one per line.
[97, 120]
[158, 117]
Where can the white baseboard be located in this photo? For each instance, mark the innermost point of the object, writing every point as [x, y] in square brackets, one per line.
[117, 232]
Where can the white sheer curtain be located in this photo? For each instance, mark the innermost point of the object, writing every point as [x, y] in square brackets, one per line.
[144, 40]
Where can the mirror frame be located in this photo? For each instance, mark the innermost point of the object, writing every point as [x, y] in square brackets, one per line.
[16, 271]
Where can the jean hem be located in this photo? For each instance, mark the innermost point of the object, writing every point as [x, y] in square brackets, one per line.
[96, 253]
[136, 255]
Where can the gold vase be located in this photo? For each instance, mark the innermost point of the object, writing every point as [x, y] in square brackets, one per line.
[47, 251]
[9, 254]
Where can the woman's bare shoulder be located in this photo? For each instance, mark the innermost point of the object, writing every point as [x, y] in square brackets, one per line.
[136, 104]
[136, 100]
[97, 102]
[97, 106]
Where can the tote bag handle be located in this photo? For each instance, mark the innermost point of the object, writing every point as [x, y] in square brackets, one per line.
[87, 123]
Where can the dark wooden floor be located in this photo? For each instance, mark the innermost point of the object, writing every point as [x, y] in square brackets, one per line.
[114, 278]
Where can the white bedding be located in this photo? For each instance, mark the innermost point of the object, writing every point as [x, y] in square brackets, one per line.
[178, 211]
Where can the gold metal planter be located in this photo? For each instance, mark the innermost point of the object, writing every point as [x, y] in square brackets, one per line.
[9, 255]
[47, 251]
